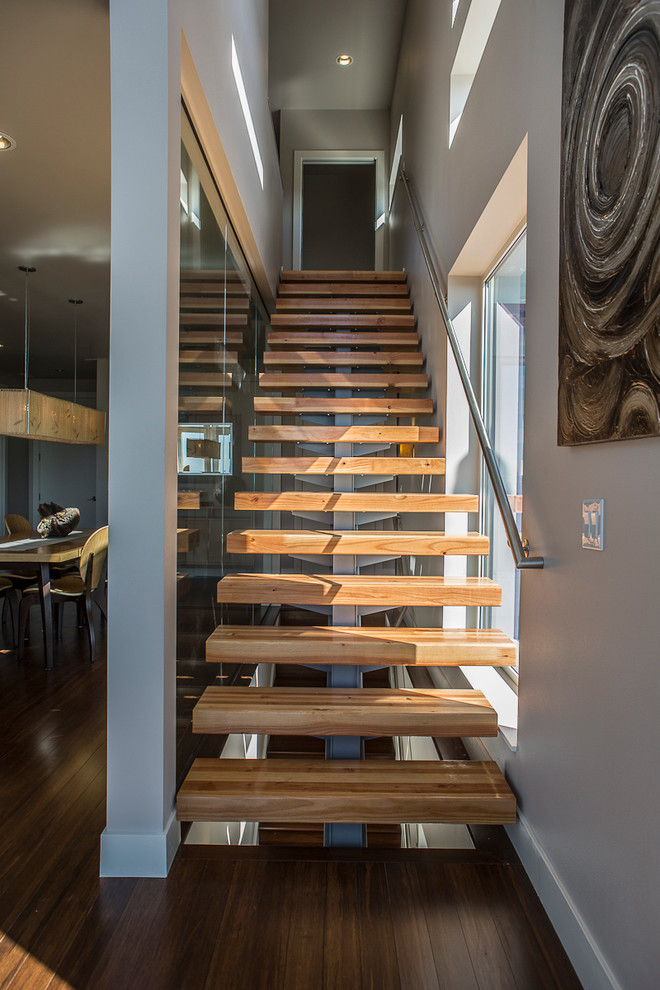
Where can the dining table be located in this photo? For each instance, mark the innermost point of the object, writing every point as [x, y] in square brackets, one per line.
[30, 553]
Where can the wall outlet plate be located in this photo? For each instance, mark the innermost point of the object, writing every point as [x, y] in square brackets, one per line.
[593, 536]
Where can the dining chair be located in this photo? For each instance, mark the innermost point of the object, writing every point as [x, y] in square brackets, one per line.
[10, 595]
[16, 525]
[77, 588]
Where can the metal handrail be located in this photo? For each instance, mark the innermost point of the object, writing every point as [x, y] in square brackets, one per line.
[519, 549]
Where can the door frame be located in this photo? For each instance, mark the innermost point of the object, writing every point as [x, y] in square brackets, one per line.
[302, 158]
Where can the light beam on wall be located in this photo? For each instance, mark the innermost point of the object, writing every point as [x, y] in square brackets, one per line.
[245, 107]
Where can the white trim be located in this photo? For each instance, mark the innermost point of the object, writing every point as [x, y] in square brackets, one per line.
[301, 158]
[585, 955]
[588, 960]
[140, 854]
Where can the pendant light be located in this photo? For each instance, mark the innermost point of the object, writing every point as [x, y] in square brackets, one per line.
[75, 303]
[33, 416]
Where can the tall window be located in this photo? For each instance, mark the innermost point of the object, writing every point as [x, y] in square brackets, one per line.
[503, 401]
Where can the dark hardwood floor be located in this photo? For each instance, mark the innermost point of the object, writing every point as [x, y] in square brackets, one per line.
[238, 919]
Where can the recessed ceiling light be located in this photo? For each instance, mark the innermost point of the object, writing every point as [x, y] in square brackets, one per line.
[7, 143]
[344, 59]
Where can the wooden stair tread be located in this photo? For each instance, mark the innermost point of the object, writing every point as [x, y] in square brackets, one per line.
[339, 711]
[275, 381]
[403, 646]
[186, 539]
[337, 338]
[283, 406]
[344, 321]
[215, 338]
[343, 304]
[188, 500]
[345, 434]
[205, 379]
[211, 286]
[344, 465]
[352, 359]
[218, 356]
[354, 502]
[213, 320]
[423, 544]
[229, 304]
[212, 274]
[330, 290]
[346, 791]
[204, 403]
[308, 275]
[352, 589]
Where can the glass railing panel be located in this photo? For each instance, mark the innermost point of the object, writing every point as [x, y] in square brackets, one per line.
[222, 331]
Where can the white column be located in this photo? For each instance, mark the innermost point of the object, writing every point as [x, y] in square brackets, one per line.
[142, 834]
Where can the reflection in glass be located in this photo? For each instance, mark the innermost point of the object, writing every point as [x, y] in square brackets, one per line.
[205, 448]
[222, 322]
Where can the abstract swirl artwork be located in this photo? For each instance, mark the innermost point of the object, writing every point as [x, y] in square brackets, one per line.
[609, 291]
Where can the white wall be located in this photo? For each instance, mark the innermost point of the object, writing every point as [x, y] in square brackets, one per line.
[586, 768]
[329, 130]
[147, 55]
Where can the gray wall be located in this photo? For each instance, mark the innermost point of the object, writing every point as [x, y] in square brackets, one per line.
[585, 771]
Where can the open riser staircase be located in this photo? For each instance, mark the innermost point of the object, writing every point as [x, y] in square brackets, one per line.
[345, 361]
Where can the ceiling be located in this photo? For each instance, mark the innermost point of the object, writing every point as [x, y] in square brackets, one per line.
[306, 36]
[55, 185]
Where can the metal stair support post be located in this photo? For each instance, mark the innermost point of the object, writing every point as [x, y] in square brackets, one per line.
[346, 676]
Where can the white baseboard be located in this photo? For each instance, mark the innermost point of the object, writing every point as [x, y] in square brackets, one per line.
[140, 854]
[588, 961]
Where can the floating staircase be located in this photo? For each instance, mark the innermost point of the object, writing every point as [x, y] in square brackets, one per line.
[345, 344]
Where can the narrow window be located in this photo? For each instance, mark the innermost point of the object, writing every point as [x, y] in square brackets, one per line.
[476, 32]
[503, 399]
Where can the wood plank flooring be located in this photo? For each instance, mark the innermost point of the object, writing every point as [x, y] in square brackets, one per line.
[241, 918]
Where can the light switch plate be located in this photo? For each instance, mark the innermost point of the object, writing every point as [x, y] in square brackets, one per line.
[593, 537]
